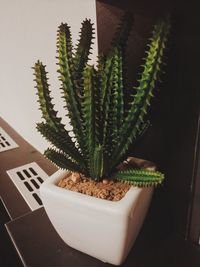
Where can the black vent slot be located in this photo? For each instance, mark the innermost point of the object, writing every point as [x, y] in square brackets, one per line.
[20, 176]
[37, 198]
[33, 171]
[28, 186]
[35, 184]
[40, 179]
[27, 173]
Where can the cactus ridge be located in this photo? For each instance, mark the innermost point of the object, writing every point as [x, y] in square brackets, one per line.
[140, 177]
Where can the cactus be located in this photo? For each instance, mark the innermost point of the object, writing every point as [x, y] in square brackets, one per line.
[104, 127]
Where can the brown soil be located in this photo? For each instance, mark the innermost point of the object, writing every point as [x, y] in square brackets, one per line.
[106, 189]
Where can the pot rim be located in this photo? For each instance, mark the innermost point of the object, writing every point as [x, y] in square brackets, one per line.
[117, 207]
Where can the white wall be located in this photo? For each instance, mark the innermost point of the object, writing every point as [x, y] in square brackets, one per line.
[27, 33]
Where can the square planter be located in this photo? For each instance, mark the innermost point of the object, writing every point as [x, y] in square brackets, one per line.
[100, 228]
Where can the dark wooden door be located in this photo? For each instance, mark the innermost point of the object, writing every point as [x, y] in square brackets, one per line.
[172, 141]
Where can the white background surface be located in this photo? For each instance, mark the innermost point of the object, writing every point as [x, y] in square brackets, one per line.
[28, 33]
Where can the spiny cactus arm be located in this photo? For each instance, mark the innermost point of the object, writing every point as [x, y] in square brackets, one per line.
[143, 128]
[106, 76]
[62, 161]
[61, 141]
[88, 111]
[97, 163]
[111, 131]
[122, 32]
[46, 106]
[134, 121]
[80, 58]
[120, 40]
[83, 48]
[44, 98]
[106, 73]
[141, 132]
[139, 177]
[120, 98]
[68, 89]
[118, 44]
[98, 98]
[106, 82]
[64, 32]
[64, 36]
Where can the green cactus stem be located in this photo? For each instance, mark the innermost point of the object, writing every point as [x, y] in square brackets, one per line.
[103, 126]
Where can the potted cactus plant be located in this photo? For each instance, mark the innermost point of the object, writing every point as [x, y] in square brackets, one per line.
[104, 126]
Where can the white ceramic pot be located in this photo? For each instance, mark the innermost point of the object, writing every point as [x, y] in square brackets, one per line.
[100, 228]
